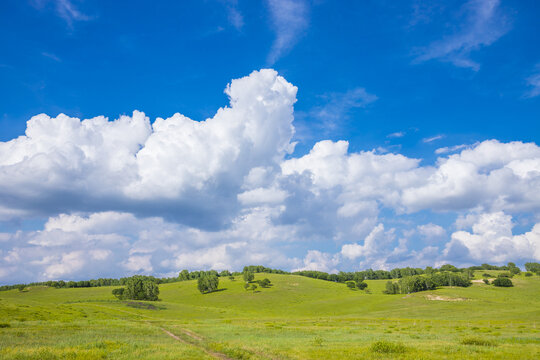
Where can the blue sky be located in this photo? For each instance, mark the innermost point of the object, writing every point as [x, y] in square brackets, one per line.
[444, 96]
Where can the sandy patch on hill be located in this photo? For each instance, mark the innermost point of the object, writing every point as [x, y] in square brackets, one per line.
[443, 298]
[480, 281]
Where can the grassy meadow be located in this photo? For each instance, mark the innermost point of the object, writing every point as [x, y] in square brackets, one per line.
[296, 318]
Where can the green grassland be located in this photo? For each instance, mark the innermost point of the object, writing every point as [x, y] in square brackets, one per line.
[295, 318]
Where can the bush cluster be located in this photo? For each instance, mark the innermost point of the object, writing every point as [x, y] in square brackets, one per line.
[416, 283]
[138, 287]
[503, 282]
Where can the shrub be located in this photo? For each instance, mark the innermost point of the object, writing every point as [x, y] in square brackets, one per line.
[528, 273]
[4, 325]
[487, 275]
[477, 341]
[505, 275]
[361, 285]
[386, 347]
[503, 282]
[264, 282]
[486, 281]
[351, 284]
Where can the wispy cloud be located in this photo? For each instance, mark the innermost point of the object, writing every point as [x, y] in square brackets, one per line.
[233, 14]
[483, 24]
[289, 19]
[450, 149]
[433, 138]
[339, 104]
[64, 9]
[394, 135]
[534, 83]
[51, 56]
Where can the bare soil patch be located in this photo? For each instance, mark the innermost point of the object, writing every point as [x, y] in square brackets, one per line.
[443, 298]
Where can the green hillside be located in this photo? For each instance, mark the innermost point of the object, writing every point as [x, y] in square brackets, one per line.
[295, 318]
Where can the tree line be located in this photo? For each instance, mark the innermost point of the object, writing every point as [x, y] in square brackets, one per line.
[416, 283]
[341, 277]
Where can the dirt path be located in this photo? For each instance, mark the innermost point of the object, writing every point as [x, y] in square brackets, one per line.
[195, 340]
[195, 343]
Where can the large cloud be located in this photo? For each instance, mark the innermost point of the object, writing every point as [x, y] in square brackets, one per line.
[183, 169]
[492, 239]
[127, 196]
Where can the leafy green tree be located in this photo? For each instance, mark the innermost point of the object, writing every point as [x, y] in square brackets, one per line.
[391, 288]
[533, 267]
[208, 283]
[265, 282]
[448, 267]
[361, 285]
[225, 273]
[140, 287]
[351, 284]
[248, 276]
[513, 268]
[503, 282]
[119, 293]
[183, 275]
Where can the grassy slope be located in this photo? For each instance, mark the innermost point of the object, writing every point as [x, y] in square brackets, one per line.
[296, 318]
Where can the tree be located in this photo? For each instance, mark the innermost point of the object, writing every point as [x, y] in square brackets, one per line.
[140, 287]
[448, 267]
[503, 282]
[264, 282]
[391, 288]
[361, 285]
[248, 276]
[183, 275]
[533, 267]
[513, 268]
[119, 293]
[208, 283]
[225, 273]
[351, 284]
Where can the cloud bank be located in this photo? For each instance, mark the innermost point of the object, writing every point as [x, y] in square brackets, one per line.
[129, 196]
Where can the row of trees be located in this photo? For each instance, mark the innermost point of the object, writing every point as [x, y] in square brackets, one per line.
[370, 274]
[415, 283]
[342, 277]
[533, 267]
